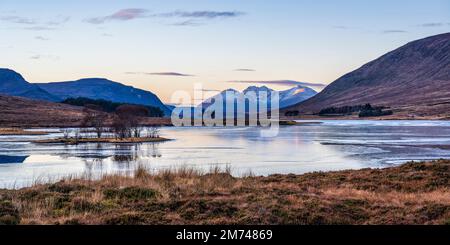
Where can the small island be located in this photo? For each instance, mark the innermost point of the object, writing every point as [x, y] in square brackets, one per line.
[74, 141]
[124, 127]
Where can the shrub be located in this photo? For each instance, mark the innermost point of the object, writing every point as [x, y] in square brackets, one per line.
[131, 194]
[366, 110]
[9, 215]
[375, 113]
[292, 113]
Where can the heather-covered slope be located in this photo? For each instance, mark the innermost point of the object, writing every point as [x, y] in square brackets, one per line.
[414, 78]
[22, 112]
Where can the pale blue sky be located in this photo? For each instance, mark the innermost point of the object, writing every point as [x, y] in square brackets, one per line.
[310, 41]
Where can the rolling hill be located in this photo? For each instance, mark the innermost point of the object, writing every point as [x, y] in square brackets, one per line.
[99, 88]
[414, 80]
[12, 83]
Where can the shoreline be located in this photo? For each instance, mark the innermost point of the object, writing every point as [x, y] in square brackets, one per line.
[283, 121]
[413, 193]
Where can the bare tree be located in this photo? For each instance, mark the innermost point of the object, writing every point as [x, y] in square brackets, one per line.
[153, 132]
[126, 123]
[77, 135]
[132, 110]
[133, 126]
[96, 120]
[120, 128]
[66, 133]
[136, 130]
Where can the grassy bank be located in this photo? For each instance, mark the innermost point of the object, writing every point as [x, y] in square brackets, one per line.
[415, 193]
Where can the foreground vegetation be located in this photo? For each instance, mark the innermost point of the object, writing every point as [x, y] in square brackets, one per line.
[415, 193]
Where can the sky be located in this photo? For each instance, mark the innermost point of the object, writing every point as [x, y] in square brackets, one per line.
[168, 45]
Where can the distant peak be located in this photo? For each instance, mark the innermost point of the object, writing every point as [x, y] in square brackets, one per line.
[93, 79]
[8, 74]
[6, 70]
[256, 89]
[230, 90]
[96, 80]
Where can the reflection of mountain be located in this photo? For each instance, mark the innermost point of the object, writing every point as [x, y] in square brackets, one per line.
[12, 159]
[122, 155]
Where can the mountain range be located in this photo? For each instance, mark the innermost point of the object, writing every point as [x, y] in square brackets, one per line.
[287, 98]
[414, 80]
[12, 83]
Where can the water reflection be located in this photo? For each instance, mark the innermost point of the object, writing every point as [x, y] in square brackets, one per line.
[12, 159]
[123, 157]
[92, 166]
[333, 145]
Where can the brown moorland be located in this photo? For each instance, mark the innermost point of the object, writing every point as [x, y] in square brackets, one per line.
[24, 113]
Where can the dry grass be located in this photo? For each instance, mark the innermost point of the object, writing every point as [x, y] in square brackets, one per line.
[20, 131]
[415, 193]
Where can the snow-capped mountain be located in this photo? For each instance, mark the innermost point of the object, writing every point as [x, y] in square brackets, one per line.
[287, 98]
[295, 95]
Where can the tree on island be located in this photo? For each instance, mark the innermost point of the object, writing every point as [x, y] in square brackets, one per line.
[126, 122]
[96, 120]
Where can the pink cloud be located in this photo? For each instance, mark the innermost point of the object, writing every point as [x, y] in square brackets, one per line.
[121, 15]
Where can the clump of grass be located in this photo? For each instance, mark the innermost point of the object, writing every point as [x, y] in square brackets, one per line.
[130, 194]
[141, 173]
[9, 215]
